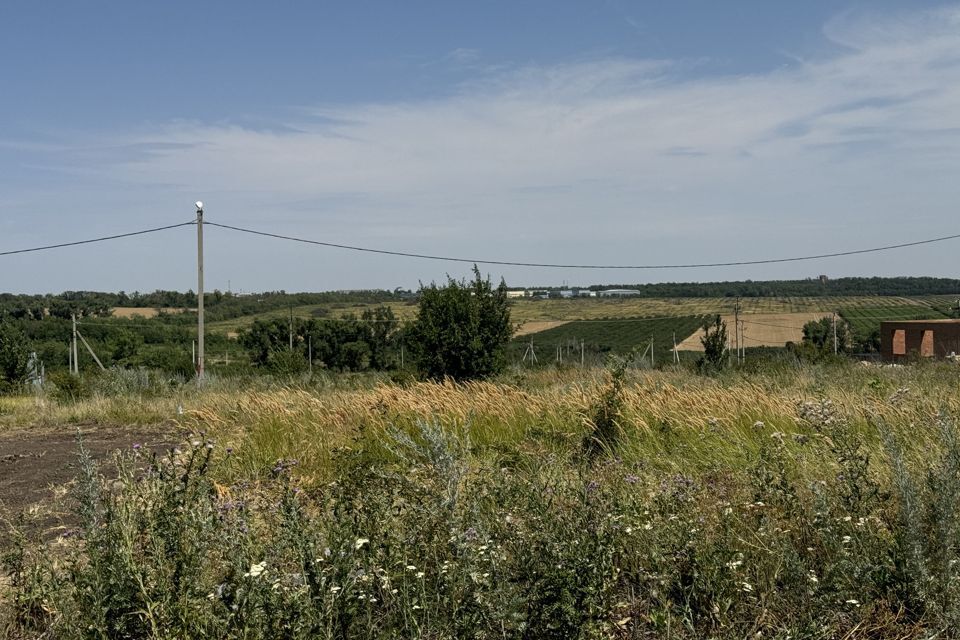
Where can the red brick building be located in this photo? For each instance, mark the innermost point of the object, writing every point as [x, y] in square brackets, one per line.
[926, 338]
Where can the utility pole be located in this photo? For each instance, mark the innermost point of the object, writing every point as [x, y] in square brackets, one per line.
[676, 356]
[736, 327]
[291, 328]
[199, 363]
[73, 346]
[310, 353]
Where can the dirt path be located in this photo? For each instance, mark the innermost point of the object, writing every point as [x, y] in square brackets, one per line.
[34, 461]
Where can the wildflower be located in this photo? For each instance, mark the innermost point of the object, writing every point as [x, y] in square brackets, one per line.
[648, 526]
[631, 479]
[416, 607]
[420, 574]
[628, 530]
[759, 424]
[846, 539]
[360, 542]
[733, 564]
[137, 446]
[812, 577]
[855, 603]
[334, 589]
[410, 567]
[256, 570]
[746, 586]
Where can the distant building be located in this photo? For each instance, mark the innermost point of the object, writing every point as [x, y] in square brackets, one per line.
[516, 294]
[823, 279]
[924, 338]
[618, 293]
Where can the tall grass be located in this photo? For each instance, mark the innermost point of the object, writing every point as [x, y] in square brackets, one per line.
[792, 502]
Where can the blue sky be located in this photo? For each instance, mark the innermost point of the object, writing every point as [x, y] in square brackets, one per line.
[587, 132]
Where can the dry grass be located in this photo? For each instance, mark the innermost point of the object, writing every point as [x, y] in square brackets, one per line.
[144, 312]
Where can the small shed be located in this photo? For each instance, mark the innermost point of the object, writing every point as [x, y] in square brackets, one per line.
[926, 338]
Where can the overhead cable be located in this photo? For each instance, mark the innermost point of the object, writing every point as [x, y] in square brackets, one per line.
[579, 266]
[92, 240]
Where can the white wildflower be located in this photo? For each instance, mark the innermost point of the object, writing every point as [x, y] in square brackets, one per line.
[256, 570]
[360, 542]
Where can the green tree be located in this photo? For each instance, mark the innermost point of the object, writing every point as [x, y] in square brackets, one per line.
[714, 341]
[819, 334]
[14, 356]
[461, 330]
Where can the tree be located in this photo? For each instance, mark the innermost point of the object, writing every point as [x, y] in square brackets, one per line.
[819, 333]
[714, 343]
[14, 356]
[461, 330]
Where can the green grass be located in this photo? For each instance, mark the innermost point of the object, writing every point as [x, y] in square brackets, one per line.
[611, 336]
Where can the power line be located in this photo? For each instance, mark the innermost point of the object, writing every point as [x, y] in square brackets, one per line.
[91, 240]
[581, 266]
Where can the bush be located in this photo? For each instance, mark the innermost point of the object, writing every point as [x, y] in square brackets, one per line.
[461, 330]
[14, 356]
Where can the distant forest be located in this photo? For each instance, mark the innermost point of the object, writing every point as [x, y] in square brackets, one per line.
[785, 288]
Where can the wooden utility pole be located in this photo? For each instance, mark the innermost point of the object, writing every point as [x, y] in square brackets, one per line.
[199, 363]
[676, 356]
[291, 328]
[736, 327]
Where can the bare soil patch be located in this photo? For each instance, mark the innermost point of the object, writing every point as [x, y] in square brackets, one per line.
[34, 462]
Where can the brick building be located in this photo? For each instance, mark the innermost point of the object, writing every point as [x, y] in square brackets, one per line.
[926, 338]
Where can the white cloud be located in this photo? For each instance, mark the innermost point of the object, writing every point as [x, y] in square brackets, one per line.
[613, 160]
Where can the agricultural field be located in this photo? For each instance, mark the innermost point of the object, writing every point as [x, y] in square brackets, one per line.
[864, 320]
[144, 312]
[402, 310]
[761, 329]
[608, 336]
[763, 502]
[523, 310]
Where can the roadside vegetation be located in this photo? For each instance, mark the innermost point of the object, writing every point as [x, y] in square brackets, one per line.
[798, 500]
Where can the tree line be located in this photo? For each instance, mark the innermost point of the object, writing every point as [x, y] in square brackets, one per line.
[460, 332]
